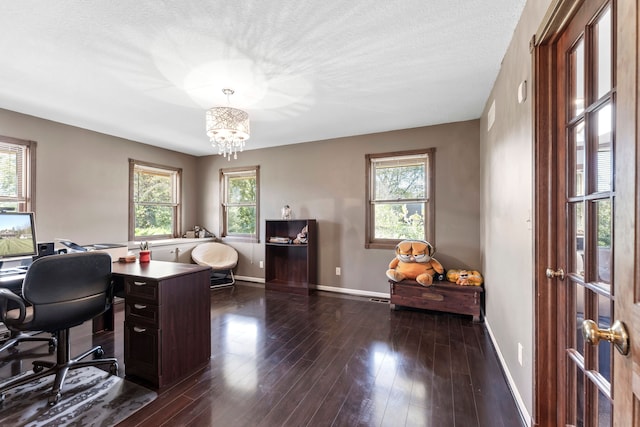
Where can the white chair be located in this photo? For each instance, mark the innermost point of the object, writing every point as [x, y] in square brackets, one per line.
[221, 258]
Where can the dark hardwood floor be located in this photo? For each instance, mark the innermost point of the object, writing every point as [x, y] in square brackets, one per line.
[324, 360]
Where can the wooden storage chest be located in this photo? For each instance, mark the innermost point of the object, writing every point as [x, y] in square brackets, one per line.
[441, 296]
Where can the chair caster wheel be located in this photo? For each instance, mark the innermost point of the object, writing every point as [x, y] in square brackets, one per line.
[113, 369]
[53, 399]
[98, 353]
[52, 348]
[37, 368]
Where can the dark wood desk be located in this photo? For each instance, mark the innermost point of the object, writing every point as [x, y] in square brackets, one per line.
[167, 327]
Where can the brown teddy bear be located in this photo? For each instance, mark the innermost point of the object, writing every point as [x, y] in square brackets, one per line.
[413, 261]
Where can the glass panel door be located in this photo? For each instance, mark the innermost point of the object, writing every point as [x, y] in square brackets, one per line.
[589, 202]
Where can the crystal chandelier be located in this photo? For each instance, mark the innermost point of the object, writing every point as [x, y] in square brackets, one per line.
[227, 128]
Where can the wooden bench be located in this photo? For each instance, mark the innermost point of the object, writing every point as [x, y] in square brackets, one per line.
[441, 296]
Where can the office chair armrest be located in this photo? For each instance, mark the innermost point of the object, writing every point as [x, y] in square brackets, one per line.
[5, 296]
[110, 293]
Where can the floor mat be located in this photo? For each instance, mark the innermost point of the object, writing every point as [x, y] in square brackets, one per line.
[90, 397]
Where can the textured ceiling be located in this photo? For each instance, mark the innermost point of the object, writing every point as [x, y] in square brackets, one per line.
[304, 70]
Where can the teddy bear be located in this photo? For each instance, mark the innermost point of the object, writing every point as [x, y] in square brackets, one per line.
[464, 277]
[413, 261]
[301, 238]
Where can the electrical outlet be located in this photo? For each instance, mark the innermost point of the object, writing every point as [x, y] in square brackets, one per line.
[338, 271]
[520, 354]
[261, 264]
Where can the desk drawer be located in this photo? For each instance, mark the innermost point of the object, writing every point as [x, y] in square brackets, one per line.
[142, 352]
[141, 289]
[141, 312]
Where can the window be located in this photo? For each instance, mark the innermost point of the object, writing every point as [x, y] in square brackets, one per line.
[239, 194]
[17, 169]
[400, 198]
[154, 207]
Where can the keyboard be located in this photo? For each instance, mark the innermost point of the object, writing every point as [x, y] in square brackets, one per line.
[12, 277]
[13, 271]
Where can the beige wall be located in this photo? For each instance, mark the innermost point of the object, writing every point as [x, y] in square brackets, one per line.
[507, 208]
[325, 180]
[82, 179]
[82, 192]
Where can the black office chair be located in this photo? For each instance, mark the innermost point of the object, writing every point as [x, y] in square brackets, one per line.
[16, 337]
[59, 292]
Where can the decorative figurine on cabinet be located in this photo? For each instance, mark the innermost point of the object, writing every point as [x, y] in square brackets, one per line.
[286, 212]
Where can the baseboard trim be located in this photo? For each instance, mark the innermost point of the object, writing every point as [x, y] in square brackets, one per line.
[524, 414]
[355, 292]
[335, 289]
[250, 279]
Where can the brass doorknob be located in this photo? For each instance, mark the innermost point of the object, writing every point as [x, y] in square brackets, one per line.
[552, 274]
[617, 335]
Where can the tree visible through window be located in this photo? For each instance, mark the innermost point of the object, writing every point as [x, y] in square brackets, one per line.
[16, 168]
[239, 197]
[399, 196]
[155, 196]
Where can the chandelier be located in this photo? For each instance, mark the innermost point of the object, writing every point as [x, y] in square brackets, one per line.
[227, 128]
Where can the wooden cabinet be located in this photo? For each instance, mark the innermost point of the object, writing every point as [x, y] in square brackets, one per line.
[167, 326]
[289, 266]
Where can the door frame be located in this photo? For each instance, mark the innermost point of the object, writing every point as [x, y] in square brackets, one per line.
[548, 405]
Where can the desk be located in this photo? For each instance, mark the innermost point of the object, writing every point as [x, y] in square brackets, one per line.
[167, 328]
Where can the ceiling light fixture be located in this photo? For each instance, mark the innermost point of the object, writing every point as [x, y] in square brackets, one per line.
[227, 128]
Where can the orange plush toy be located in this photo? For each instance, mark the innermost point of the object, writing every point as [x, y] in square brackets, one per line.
[413, 261]
[465, 277]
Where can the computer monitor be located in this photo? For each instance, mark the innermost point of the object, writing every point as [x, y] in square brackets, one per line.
[17, 235]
